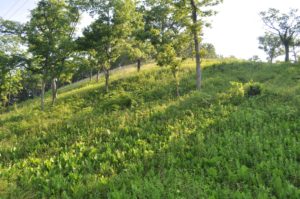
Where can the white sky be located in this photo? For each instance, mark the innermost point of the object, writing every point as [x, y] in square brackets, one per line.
[237, 26]
[234, 31]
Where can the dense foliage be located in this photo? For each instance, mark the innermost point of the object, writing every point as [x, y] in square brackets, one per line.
[124, 31]
[237, 138]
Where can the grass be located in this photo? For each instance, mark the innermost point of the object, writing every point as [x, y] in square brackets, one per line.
[140, 141]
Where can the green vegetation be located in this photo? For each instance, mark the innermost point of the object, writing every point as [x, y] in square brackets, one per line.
[123, 32]
[236, 138]
[228, 129]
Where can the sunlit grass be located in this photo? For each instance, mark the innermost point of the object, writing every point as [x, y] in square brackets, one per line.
[141, 141]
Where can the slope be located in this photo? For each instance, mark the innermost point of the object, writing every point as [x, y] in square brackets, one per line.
[237, 138]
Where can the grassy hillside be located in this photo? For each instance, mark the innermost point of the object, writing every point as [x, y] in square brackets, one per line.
[140, 141]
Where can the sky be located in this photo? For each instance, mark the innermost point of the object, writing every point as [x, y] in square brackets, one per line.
[234, 30]
[237, 26]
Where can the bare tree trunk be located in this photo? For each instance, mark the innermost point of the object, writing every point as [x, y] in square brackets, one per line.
[138, 65]
[98, 75]
[106, 71]
[43, 95]
[54, 90]
[287, 52]
[197, 45]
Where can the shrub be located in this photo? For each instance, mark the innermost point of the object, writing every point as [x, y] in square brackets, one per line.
[239, 91]
[236, 93]
[252, 89]
[118, 102]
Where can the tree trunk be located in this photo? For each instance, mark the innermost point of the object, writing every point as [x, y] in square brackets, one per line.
[177, 89]
[106, 79]
[295, 54]
[9, 99]
[287, 52]
[43, 95]
[4, 103]
[91, 74]
[138, 65]
[98, 75]
[197, 45]
[176, 83]
[54, 90]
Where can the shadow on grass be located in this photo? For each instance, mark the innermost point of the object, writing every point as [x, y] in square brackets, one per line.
[155, 139]
[140, 91]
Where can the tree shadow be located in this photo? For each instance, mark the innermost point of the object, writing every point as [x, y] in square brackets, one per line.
[140, 91]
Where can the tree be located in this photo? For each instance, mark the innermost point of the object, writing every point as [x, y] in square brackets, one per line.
[8, 27]
[208, 51]
[102, 39]
[295, 49]
[286, 26]
[173, 54]
[139, 50]
[167, 57]
[92, 62]
[12, 58]
[161, 27]
[86, 57]
[255, 58]
[49, 33]
[10, 78]
[83, 65]
[109, 34]
[271, 44]
[139, 46]
[188, 12]
[167, 35]
[30, 85]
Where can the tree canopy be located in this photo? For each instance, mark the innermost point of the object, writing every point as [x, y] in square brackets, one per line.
[271, 44]
[166, 31]
[285, 25]
[49, 34]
